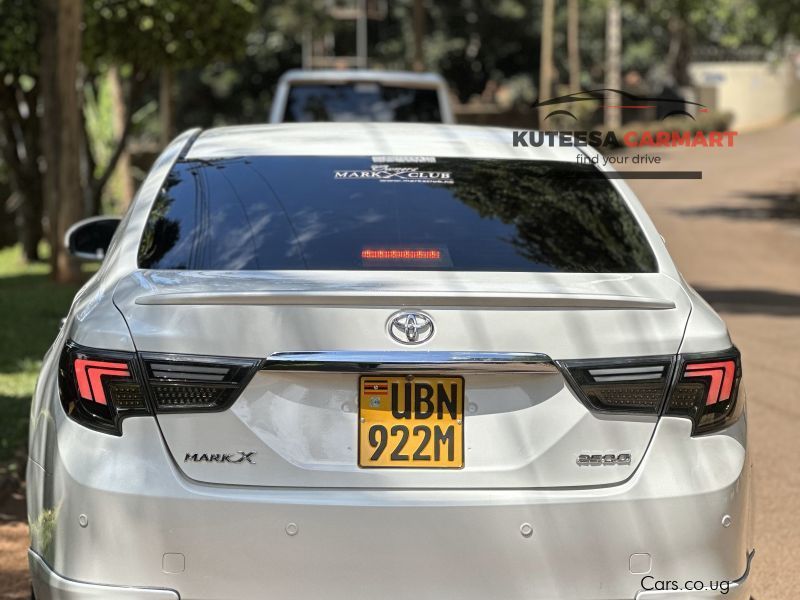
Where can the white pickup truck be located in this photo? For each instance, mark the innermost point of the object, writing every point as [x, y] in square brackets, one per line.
[361, 95]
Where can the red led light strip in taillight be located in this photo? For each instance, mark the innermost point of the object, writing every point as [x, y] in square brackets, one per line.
[721, 374]
[88, 374]
[400, 254]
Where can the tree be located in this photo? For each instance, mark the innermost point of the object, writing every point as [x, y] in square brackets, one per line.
[473, 42]
[240, 91]
[785, 15]
[674, 29]
[419, 34]
[145, 39]
[546, 57]
[19, 118]
[139, 38]
[613, 114]
[573, 45]
[118, 123]
[62, 134]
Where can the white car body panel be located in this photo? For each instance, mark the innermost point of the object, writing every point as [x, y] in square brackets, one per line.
[303, 521]
[303, 426]
[546, 305]
[235, 542]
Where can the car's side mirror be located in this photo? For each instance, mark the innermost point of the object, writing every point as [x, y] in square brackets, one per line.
[89, 239]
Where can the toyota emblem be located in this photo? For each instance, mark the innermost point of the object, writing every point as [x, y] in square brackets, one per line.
[410, 327]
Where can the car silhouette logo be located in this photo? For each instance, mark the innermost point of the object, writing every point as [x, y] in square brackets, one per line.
[612, 98]
[410, 327]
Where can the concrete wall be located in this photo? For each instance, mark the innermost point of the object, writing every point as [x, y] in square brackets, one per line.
[757, 93]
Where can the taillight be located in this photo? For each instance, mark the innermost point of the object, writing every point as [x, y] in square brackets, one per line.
[185, 384]
[704, 387]
[707, 390]
[622, 386]
[100, 388]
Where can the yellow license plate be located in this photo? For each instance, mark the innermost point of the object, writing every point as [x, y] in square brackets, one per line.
[411, 422]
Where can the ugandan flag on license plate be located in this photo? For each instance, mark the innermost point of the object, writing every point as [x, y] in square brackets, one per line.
[375, 387]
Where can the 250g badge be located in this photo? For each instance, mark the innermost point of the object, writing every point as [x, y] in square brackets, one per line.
[623, 458]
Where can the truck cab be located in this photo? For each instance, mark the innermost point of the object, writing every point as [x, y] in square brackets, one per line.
[361, 95]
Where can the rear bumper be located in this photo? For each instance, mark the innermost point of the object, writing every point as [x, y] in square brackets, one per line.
[473, 544]
[49, 585]
[738, 589]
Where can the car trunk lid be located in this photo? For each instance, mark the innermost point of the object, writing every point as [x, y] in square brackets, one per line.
[316, 334]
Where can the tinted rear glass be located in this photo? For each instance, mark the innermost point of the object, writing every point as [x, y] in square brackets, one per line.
[361, 102]
[299, 212]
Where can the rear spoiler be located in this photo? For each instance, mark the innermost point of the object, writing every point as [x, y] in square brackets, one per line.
[394, 298]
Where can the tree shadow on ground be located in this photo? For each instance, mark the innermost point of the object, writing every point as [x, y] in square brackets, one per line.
[764, 205]
[752, 301]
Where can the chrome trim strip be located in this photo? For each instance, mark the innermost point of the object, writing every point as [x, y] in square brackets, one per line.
[746, 574]
[623, 370]
[156, 366]
[191, 376]
[643, 376]
[404, 361]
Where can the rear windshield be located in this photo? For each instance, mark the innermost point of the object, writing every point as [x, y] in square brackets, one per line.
[361, 102]
[356, 212]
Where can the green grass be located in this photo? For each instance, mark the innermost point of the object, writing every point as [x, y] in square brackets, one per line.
[31, 308]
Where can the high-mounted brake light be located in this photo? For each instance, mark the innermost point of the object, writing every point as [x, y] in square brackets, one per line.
[401, 254]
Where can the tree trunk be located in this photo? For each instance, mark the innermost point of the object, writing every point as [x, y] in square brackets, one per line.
[48, 14]
[362, 51]
[546, 58]
[612, 113]
[679, 52]
[123, 184]
[25, 180]
[19, 149]
[165, 112]
[61, 45]
[419, 35]
[28, 212]
[123, 123]
[573, 50]
[29, 221]
[69, 171]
